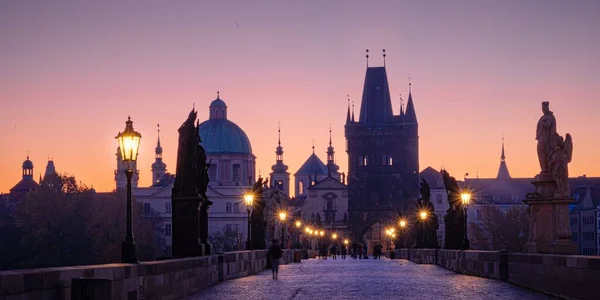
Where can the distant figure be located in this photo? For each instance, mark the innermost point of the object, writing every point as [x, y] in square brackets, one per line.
[378, 250]
[275, 253]
[344, 251]
[334, 252]
[354, 250]
[360, 251]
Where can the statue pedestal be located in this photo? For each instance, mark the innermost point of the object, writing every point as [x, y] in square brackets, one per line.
[550, 230]
[185, 227]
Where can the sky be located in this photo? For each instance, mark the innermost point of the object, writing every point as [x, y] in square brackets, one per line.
[72, 71]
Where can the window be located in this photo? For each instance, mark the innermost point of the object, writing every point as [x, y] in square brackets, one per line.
[588, 236]
[236, 207]
[146, 208]
[574, 236]
[386, 160]
[365, 160]
[168, 229]
[228, 227]
[438, 198]
[300, 187]
[212, 171]
[236, 170]
[573, 221]
[168, 250]
[236, 227]
[168, 207]
[361, 161]
[228, 207]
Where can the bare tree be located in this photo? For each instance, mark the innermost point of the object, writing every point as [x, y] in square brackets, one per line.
[506, 230]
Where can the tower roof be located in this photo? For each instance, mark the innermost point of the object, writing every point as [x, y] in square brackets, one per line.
[410, 116]
[503, 169]
[376, 105]
[158, 149]
[27, 164]
[313, 165]
[50, 169]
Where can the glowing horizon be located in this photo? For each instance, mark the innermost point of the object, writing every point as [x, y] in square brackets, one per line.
[72, 72]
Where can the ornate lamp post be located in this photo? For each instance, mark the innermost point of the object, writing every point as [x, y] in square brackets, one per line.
[402, 224]
[282, 216]
[298, 225]
[466, 198]
[423, 216]
[248, 198]
[129, 142]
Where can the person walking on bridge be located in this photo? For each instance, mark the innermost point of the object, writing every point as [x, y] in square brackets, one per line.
[275, 254]
[344, 251]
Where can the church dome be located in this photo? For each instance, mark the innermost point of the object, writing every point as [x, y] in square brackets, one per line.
[220, 135]
[27, 164]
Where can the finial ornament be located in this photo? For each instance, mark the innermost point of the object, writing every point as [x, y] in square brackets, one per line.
[313, 145]
[367, 56]
[384, 57]
[218, 94]
[279, 133]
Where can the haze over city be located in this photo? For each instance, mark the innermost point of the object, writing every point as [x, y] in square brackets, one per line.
[71, 73]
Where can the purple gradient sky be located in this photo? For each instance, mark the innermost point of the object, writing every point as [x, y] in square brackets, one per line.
[71, 72]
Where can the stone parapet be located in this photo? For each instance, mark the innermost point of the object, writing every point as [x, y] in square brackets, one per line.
[571, 276]
[165, 279]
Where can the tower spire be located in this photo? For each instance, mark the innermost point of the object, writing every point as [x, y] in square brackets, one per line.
[329, 134]
[401, 106]
[348, 115]
[279, 133]
[503, 169]
[503, 158]
[410, 114]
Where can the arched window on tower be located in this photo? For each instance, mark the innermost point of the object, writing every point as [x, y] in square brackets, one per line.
[300, 187]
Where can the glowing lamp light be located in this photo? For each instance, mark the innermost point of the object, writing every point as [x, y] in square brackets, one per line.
[307, 229]
[402, 223]
[322, 233]
[334, 236]
[129, 142]
[465, 197]
[298, 224]
[423, 215]
[248, 198]
[282, 216]
[346, 242]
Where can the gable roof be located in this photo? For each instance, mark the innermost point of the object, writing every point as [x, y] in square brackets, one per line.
[328, 183]
[25, 185]
[313, 165]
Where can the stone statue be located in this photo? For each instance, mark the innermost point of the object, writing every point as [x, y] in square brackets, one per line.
[427, 231]
[185, 179]
[257, 219]
[546, 135]
[454, 218]
[189, 200]
[560, 157]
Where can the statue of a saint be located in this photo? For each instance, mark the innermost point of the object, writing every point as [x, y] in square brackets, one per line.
[546, 136]
[560, 157]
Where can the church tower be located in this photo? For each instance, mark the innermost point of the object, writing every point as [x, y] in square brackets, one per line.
[159, 168]
[120, 179]
[383, 155]
[503, 169]
[332, 168]
[280, 177]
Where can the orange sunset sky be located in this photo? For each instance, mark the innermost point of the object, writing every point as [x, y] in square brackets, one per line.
[72, 71]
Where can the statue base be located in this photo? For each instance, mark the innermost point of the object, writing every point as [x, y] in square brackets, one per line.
[550, 230]
[185, 227]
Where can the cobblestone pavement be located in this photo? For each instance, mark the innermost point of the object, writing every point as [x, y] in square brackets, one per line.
[364, 279]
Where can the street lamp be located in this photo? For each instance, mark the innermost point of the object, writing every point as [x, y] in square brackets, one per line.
[129, 142]
[298, 225]
[334, 236]
[248, 198]
[423, 215]
[282, 216]
[466, 199]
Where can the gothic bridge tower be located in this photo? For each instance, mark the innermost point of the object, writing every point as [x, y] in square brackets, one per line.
[383, 159]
